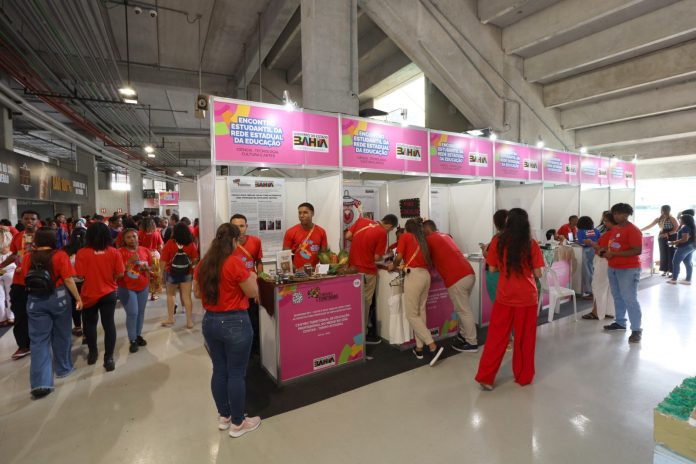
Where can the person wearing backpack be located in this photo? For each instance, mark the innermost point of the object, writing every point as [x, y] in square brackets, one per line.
[178, 259]
[100, 266]
[48, 276]
[78, 241]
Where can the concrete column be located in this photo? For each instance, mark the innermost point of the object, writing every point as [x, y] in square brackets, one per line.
[330, 55]
[87, 165]
[136, 202]
[8, 209]
[6, 129]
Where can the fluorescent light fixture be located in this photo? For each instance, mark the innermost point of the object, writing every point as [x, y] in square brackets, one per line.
[583, 150]
[127, 91]
[475, 132]
[120, 186]
[289, 104]
[264, 169]
[131, 100]
[149, 149]
[150, 155]
[179, 173]
[540, 144]
[493, 136]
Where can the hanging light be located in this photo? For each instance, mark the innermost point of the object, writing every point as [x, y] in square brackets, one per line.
[475, 132]
[583, 150]
[493, 136]
[127, 91]
[179, 173]
[540, 143]
[149, 149]
[289, 104]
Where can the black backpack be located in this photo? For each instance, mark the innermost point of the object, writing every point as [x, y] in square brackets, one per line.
[39, 280]
[77, 241]
[181, 263]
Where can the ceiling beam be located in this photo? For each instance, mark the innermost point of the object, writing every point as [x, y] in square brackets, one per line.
[502, 13]
[669, 148]
[181, 132]
[290, 34]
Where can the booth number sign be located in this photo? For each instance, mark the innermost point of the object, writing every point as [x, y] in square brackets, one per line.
[409, 208]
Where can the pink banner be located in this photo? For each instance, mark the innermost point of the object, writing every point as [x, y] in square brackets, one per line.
[517, 162]
[168, 198]
[603, 172]
[459, 155]
[622, 174]
[267, 135]
[379, 146]
[561, 167]
[646, 257]
[320, 325]
[589, 170]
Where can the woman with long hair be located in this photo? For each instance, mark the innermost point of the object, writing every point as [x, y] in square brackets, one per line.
[100, 266]
[48, 276]
[225, 286]
[150, 238]
[133, 287]
[413, 258]
[668, 225]
[686, 239]
[519, 260]
[499, 219]
[603, 300]
[179, 257]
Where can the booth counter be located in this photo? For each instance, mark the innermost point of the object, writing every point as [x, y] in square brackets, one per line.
[312, 326]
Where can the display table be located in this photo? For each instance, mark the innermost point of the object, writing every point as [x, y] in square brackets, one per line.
[311, 327]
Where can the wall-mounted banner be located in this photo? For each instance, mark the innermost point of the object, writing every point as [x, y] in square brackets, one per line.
[622, 174]
[168, 198]
[561, 167]
[460, 155]
[589, 170]
[369, 144]
[517, 162]
[267, 135]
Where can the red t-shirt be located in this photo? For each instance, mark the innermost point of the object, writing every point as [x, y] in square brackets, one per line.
[250, 253]
[134, 278]
[196, 231]
[407, 246]
[12, 230]
[151, 241]
[230, 294]
[21, 248]
[171, 248]
[517, 290]
[566, 229]
[448, 258]
[369, 239]
[98, 269]
[622, 239]
[61, 268]
[305, 250]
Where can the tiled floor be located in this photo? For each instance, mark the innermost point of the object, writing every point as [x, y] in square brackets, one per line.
[591, 402]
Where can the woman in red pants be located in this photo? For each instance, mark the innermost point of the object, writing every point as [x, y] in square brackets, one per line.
[519, 259]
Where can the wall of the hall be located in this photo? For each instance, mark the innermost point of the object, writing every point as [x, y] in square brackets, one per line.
[188, 200]
[112, 200]
[686, 168]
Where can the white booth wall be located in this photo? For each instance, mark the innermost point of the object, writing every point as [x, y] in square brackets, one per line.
[471, 214]
[528, 197]
[623, 196]
[404, 189]
[560, 202]
[441, 207]
[593, 202]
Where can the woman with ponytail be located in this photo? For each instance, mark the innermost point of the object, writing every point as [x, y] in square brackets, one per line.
[225, 286]
[518, 258]
[413, 257]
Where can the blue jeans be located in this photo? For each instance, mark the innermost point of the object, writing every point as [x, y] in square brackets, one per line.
[50, 321]
[588, 254]
[134, 304]
[624, 289]
[229, 336]
[683, 253]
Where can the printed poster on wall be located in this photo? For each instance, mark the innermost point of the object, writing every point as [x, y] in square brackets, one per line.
[369, 144]
[622, 174]
[262, 201]
[359, 201]
[320, 325]
[459, 155]
[267, 135]
[589, 170]
[517, 162]
[439, 211]
[560, 167]
[168, 198]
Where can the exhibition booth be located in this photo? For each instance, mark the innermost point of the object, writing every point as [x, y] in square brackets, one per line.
[267, 159]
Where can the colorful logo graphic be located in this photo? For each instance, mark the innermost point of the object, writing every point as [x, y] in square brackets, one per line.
[478, 159]
[306, 141]
[408, 152]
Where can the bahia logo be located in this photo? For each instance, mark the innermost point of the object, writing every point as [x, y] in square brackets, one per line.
[531, 165]
[307, 141]
[324, 362]
[602, 172]
[408, 152]
[571, 169]
[478, 159]
[628, 174]
[264, 183]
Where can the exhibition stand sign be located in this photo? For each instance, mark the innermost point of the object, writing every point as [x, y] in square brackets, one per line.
[560, 167]
[594, 170]
[265, 135]
[320, 325]
[168, 198]
[517, 162]
[622, 174]
[378, 146]
[459, 155]
[441, 317]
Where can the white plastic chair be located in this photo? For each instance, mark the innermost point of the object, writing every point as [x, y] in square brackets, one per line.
[557, 293]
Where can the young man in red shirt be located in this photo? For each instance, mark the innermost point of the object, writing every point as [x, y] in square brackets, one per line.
[369, 243]
[21, 245]
[459, 278]
[570, 228]
[305, 239]
[623, 253]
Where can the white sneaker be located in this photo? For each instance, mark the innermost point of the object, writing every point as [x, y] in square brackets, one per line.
[224, 422]
[685, 282]
[249, 425]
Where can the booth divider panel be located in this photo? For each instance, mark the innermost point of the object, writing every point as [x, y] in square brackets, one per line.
[471, 215]
[559, 204]
[594, 202]
[326, 196]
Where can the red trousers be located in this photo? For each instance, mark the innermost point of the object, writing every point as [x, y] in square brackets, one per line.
[503, 319]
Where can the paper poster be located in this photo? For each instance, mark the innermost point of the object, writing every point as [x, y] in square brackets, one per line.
[320, 325]
[262, 201]
[372, 145]
[267, 135]
[517, 162]
[460, 155]
[439, 212]
[359, 202]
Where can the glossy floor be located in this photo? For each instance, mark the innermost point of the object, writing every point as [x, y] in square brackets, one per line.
[592, 401]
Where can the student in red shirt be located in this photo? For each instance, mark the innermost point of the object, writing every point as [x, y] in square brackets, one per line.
[133, 287]
[305, 239]
[625, 244]
[413, 258]
[49, 311]
[519, 260]
[225, 285]
[368, 245]
[100, 266]
[459, 278]
[21, 245]
[570, 228]
[150, 238]
[178, 271]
